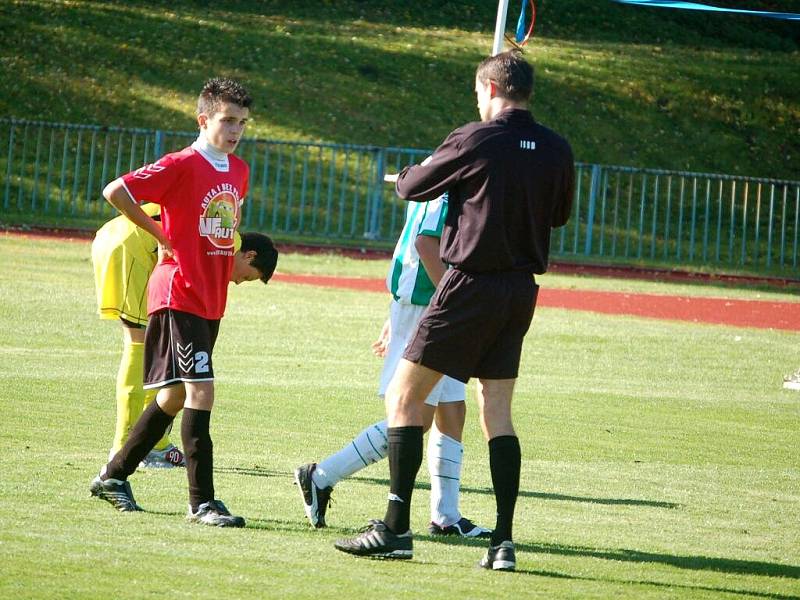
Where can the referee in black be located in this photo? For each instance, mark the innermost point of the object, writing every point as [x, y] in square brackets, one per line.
[510, 180]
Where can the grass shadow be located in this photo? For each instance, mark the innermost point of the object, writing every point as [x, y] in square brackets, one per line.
[656, 584]
[704, 563]
[725, 565]
[543, 495]
[698, 563]
[453, 540]
[255, 471]
[266, 524]
[163, 513]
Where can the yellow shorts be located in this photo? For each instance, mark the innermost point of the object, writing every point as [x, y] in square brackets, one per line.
[123, 259]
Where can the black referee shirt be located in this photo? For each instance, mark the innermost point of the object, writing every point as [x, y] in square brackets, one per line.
[509, 181]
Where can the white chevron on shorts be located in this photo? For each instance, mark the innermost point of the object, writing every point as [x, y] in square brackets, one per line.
[185, 357]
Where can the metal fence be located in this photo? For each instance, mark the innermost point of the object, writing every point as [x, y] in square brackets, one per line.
[53, 173]
[684, 218]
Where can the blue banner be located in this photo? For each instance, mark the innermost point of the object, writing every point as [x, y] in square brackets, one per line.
[707, 7]
[521, 23]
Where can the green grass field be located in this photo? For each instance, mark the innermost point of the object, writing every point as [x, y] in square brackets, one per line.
[659, 458]
[626, 85]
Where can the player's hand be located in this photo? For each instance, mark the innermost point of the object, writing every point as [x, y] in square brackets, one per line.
[165, 250]
[381, 345]
[390, 177]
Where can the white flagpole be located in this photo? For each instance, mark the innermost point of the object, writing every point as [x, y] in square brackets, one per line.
[500, 27]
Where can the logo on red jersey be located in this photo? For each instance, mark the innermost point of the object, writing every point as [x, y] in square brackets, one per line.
[148, 171]
[220, 215]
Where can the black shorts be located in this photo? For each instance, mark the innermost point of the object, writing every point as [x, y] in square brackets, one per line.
[178, 347]
[475, 324]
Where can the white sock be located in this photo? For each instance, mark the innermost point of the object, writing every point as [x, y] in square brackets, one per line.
[444, 464]
[368, 447]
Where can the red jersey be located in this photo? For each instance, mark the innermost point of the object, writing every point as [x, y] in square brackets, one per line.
[201, 206]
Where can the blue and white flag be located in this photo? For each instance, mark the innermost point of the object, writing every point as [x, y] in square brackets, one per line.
[708, 7]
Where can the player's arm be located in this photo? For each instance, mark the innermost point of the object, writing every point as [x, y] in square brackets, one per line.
[116, 195]
[428, 249]
[563, 208]
[437, 174]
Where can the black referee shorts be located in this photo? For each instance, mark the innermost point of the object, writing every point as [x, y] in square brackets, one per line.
[475, 324]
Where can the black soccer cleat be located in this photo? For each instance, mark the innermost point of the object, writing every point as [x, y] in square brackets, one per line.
[500, 557]
[464, 528]
[115, 492]
[214, 513]
[376, 541]
[315, 499]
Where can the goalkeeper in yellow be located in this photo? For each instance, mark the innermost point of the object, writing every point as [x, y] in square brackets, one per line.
[123, 256]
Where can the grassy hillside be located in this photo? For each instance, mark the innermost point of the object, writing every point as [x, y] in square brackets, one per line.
[628, 85]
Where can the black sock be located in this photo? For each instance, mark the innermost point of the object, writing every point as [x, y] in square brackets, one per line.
[199, 452]
[405, 458]
[505, 459]
[145, 434]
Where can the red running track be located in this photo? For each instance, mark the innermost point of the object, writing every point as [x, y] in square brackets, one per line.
[737, 313]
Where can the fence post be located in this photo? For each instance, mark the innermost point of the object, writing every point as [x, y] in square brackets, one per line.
[376, 202]
[9, 158]
[587, 249]
[158, 146]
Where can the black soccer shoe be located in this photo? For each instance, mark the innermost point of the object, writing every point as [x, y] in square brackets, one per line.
[315, 499]
[464, 528]
[376, 541]
[214, 513]
[115, 492]
[500, 557]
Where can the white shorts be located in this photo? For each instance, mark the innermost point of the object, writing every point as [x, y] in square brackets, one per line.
[404, 319]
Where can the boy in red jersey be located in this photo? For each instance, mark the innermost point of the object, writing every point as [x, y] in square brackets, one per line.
[200, 190]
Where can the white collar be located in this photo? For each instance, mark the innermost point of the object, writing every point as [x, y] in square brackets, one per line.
[218, 159]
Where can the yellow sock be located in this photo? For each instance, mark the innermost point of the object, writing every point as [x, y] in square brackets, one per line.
[132, 398]
[130, 394]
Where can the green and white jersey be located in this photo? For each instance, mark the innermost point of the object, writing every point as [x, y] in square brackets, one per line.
[407, 280]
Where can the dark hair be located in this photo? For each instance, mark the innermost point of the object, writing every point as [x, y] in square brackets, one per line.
[512, 74]
[266, 257]
[221, 89]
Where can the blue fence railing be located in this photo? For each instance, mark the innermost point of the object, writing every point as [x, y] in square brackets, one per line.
[54, 172]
